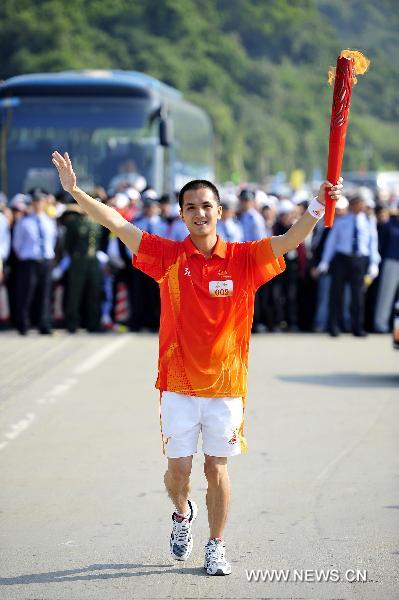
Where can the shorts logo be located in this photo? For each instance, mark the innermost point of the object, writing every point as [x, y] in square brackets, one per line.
[234, 439]
[221, 289]
[187, 271]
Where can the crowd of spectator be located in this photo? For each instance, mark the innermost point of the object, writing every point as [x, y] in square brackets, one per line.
[60, 269]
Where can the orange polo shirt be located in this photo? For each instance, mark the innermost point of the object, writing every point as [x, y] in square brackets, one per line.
[207, 307]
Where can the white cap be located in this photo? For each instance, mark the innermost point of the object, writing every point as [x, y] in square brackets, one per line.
[300, 196]
[140, 183]
[342, 203]
[229, 199]
[272, 201]
[261, 198]
[121, 200]
[365, 194]
[150, 194]
[285, 206]
[132, 193]
[19, 199]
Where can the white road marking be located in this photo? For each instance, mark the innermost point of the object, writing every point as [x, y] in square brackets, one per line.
[44, 401]
[99, 356]
[20, 426]
[69, 543]
[60, 389]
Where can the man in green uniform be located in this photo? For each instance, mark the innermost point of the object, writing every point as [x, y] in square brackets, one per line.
[81, 242]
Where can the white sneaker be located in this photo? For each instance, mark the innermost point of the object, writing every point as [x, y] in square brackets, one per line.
[181, 539]
[215, 560]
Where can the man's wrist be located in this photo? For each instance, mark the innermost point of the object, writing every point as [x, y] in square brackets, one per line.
[323, 267]
[316, 209]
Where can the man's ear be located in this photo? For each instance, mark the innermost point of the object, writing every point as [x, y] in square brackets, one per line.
[220, 210]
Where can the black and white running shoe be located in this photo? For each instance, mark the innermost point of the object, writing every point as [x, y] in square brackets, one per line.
[215, 560]
[181, 539]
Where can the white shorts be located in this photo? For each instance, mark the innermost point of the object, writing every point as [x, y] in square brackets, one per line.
[221, 421]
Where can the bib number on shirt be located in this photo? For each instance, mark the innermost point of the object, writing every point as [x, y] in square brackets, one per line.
[221, 289]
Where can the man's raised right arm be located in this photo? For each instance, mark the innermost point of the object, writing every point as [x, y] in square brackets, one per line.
[105, 215]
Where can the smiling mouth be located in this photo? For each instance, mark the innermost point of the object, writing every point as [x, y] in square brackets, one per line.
[199, 223]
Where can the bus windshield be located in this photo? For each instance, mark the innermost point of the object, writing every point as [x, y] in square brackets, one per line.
[102, 136]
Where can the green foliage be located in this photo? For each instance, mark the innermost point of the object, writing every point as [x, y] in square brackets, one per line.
[259, 68]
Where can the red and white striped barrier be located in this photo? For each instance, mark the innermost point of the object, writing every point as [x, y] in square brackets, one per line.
[122, 312]
[58, 300]
[4, 305]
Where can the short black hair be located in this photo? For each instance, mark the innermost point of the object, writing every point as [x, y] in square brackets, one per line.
[38, 194]
[380, 207]
[355, 198]
[247, 194]
[198, 184]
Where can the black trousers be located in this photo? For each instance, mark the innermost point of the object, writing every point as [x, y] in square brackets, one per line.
[264, 306]
[83, 294]
[144, 300]
[33, 283]
[285, 295]
[347, 269]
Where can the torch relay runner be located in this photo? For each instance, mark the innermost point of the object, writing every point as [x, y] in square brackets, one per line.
[207, 289]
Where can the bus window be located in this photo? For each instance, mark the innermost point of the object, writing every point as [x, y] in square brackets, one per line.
[100, 134]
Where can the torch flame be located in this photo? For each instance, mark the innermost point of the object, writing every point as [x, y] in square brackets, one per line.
[361, 64]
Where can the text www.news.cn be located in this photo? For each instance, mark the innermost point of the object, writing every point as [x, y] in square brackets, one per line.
[306, 575]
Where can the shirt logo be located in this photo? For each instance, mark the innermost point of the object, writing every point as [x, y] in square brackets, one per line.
[221, 289]
[223, 274]
[187, 272]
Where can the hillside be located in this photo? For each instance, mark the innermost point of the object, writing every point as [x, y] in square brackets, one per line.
[259, 68]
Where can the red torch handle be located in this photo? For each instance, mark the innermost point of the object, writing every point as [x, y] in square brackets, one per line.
[338, 126]
[336, 151]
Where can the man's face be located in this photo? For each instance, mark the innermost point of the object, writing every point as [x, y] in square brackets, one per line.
[357, 206]
[287, 218]
[152, 210]
[269, 214]
[383, 215]
[200, 212]
[166, 209]
[227, 212]
[339, 212]
[246, 204]
[38, 206]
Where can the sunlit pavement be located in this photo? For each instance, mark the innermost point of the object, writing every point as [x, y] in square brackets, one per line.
[83, 509]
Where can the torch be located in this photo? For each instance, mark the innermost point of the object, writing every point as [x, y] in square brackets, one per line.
[349, 64]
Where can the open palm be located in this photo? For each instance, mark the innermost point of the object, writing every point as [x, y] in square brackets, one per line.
[65, 170]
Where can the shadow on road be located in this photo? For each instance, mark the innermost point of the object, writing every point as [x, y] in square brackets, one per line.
[351, 380]
[78, 574]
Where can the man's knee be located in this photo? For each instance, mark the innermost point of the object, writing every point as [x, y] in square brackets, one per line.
[215, 468]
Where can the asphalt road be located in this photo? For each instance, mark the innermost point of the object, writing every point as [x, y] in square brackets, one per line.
[84, 514]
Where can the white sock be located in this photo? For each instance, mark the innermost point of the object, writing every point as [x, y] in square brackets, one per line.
[183, 515]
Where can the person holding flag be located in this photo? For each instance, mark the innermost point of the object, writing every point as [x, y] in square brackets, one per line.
[207, 289]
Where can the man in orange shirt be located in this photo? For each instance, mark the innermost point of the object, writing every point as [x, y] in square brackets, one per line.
[207, 291]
